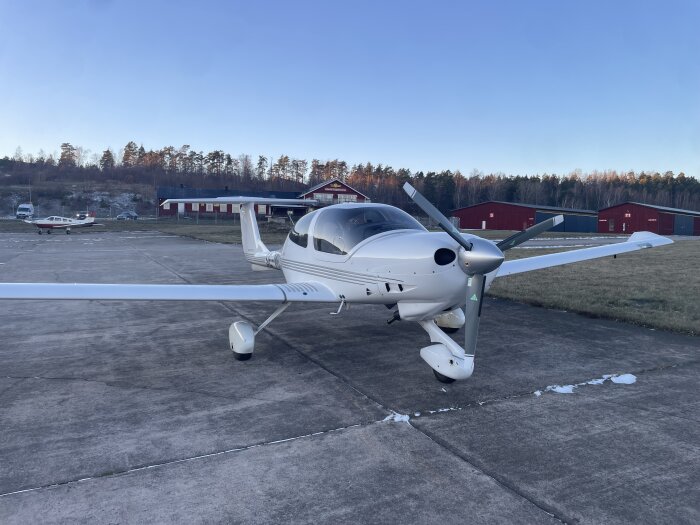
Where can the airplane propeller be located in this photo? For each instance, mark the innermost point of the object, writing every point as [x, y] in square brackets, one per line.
[477, 257]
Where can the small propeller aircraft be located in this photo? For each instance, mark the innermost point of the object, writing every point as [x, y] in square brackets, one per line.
[56, 222]
[361, 253]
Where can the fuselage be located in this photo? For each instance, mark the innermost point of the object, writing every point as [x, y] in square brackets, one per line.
[375, 253]
[56, 222]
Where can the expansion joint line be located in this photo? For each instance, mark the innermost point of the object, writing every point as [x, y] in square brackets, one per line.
[495, 477]
[139, 468]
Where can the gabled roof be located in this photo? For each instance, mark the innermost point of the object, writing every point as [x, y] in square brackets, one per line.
[660, 208]
[532, 206]
[331, 181]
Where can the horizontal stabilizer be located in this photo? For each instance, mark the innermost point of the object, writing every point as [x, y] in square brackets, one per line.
[283, 293]
[637, 241]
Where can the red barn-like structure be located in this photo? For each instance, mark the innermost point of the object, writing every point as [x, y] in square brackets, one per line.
[497, 215]
[630, 217]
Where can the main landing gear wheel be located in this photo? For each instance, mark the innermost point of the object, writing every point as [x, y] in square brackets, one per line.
[442, 378]
[48, 232]
[242, 357]
[449, 330]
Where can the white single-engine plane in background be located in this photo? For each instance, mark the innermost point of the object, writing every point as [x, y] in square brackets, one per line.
[56, 222]
[361, 253]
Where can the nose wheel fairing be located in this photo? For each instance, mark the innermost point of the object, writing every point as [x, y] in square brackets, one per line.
[445, 356]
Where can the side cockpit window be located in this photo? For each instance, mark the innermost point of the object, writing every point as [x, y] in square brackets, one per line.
[339, 229]
[300, 233]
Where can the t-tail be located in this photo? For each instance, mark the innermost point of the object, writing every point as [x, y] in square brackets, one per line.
[254, 249]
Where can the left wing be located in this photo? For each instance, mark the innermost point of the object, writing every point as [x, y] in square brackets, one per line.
[282, 293]
[637, 241]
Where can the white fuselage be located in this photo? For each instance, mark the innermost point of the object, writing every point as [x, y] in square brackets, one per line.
[392, 267]
[56, 222]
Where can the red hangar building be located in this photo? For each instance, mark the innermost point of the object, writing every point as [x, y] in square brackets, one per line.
[497, 215]
[630, 217]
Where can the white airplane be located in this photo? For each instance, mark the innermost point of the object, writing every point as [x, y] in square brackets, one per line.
[62, 223]
[361, 253]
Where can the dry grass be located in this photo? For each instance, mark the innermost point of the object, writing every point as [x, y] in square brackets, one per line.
[658, 288]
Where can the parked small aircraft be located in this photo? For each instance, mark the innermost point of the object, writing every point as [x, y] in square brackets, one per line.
[362, 253]
[62, 223]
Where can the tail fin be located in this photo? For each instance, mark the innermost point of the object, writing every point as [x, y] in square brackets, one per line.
[254, 249]
[256, 253]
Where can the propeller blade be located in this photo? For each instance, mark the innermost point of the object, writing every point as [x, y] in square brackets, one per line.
[525, 235]
[436, 215]
[472, 311]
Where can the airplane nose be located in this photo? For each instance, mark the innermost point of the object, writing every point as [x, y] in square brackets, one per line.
[484, 257]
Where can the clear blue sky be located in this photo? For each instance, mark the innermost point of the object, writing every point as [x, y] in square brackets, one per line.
[513, 86]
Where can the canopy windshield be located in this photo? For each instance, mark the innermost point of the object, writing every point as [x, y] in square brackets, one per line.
[339, 230]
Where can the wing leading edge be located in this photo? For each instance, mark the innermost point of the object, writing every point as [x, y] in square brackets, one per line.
[637, 241]
[282, 293]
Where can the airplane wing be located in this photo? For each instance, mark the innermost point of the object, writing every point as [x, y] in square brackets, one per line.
[281, 293]
[637, 241]
[245, 200]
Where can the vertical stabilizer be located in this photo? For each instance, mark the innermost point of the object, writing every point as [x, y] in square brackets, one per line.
[256, 253]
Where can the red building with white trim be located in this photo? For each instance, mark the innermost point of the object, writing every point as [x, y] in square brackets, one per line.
[334, 191]
[496, 215]
[630, 217]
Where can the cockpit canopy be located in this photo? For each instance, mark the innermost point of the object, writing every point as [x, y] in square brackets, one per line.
[339, 229]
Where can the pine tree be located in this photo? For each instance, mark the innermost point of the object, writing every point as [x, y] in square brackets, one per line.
[68, 157]
[131, 155]
[107, 160]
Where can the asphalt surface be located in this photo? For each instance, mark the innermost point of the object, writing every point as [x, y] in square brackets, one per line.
[115, 412]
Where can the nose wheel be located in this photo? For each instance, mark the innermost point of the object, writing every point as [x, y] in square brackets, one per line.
[442, 378]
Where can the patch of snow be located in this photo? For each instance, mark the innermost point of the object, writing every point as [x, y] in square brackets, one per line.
[620, 379]
[561, 389]
[624, 379]
[598, 381]
[439, 410]
[417, 414]
[399, 418]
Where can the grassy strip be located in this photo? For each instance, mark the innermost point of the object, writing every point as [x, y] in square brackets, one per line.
[657, 288]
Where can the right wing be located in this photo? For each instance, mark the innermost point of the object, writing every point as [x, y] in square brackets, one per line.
[637, 241]
[282, 293]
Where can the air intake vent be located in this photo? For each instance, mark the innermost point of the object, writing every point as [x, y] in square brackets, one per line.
[444, 256]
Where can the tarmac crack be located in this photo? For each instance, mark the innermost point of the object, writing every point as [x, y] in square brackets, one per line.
[522, 394]
[500, 480]
[166, 463]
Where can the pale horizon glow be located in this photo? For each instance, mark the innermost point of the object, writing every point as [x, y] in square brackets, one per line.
[506, 86]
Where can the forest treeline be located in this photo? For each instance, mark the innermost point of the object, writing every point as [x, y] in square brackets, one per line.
[172, 166]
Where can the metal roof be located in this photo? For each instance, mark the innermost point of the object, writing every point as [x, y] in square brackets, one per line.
[660, 208]
[176, 192]
[533, 206]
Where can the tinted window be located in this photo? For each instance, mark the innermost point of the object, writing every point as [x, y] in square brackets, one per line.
[300, 233]
[339, 230]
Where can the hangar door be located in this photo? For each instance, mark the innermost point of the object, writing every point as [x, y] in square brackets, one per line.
[683, 225]
[572, 223]
[542, 216]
